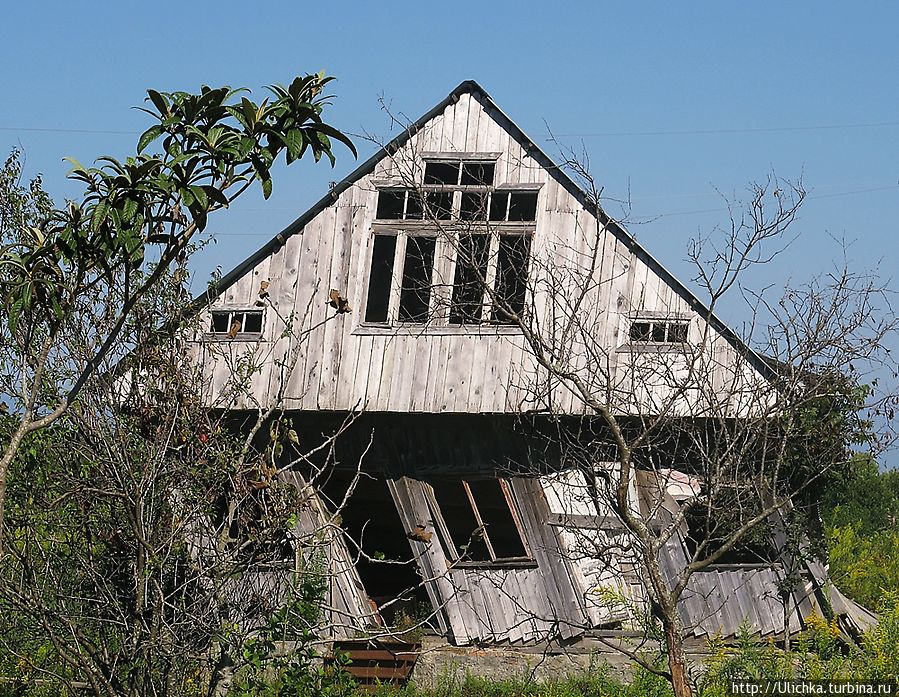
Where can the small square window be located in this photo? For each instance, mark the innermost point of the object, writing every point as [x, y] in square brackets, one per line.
[477, 173]
[232, 323]
[391, 204]
[474, 206]
[446, 173]
[440, 204]
[677, 332]
[658, 332]
[641, 331]
[522, 206]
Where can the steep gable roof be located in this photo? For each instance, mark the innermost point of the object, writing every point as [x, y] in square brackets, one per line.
[533, 150]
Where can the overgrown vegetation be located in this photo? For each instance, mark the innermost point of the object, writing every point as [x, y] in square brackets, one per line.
[861, 518]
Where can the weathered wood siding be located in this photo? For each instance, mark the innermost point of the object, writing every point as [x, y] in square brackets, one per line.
[338, 363]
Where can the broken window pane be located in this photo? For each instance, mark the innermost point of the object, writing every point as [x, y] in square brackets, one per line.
[440, 204]
[511, 277]
[442, 173]
[499, 204]
[522, 206]
[221, 322]
[677, 332]
[416, 289]
[502, 529]
[380, 278]
[477, 173]
[641, 331]
[464, 529]
[414, 209]
[252, 323]
[713, 526]
[390, 204]
[474, 206]
[468, 285]
[658, 331]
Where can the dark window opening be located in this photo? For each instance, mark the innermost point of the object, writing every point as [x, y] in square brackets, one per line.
[477, 173]
[473, 206]
[440, 204]
[221, 322]
[677, 332]
[713, 528]
[499, 205]
[659, 331]
[513, 206]
[641, 331]
[231, 323]
[480, 520]
[471, 273]
[446, 173]
[415, 294]
[522, 206]
[379, 281]
[391, 204]
[511, 277]
[370, 519]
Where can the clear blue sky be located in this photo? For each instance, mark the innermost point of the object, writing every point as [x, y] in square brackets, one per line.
[800, 88]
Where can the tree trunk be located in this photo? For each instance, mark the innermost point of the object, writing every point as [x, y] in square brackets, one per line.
[677, 663]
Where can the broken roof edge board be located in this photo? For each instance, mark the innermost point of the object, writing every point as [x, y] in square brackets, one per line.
[533, 150]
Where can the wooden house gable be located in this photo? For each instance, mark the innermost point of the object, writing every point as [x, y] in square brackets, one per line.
[332, 315]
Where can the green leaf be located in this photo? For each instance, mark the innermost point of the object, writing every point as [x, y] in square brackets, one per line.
[267, 187]
[160, 102]
[149, 136]
[129, 209]
[98, 216]
[294, 141]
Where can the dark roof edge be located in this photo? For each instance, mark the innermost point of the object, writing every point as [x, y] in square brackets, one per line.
[534, 150]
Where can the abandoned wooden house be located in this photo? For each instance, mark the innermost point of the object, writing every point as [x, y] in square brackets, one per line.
[395, 299]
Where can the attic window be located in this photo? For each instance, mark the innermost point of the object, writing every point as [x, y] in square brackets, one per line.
[459, 173]
[235, 323]
[659, 331]
[481, 521]
[406, 204]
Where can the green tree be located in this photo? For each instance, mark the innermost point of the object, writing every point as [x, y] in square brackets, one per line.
[71, 278]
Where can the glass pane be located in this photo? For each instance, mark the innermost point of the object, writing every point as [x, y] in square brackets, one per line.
[501, 528]
[390, 205]
[641, 331]
[457, 514]
[379, 279]
[221, 322]
[468, 285]
[414, 209]
[442, 173]
[477, 173]
[677, 332]
[440, 204]
[474, 206]
[658, 331]
[252, 323]
[523, 206]
[511, 276]
[416, 290]
[499, 203]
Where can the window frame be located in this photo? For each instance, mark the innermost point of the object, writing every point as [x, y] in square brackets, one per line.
[668, 321]
[448, 233]
[449, 544]
[243, 310]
